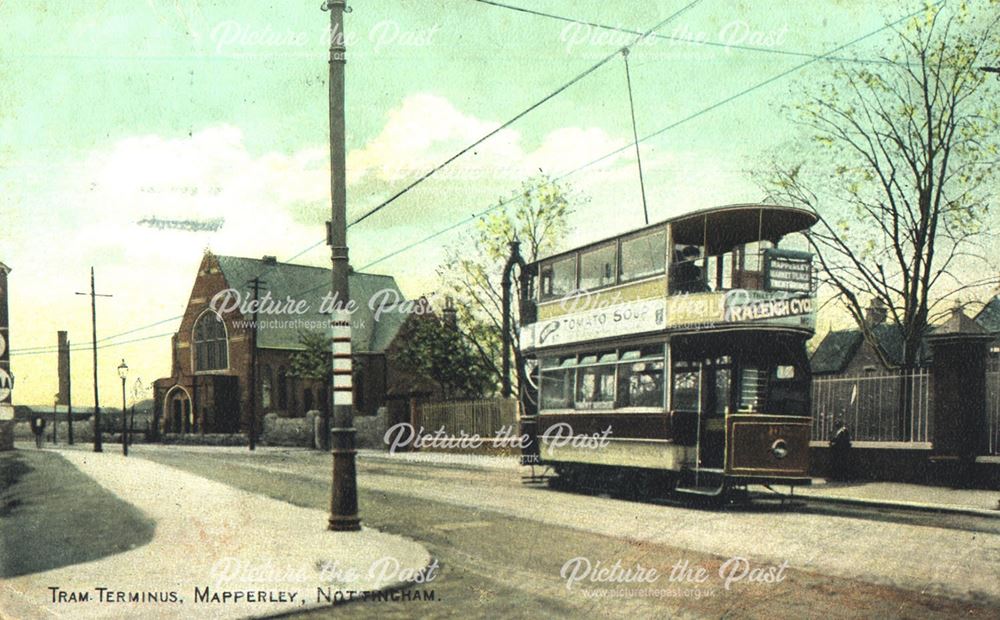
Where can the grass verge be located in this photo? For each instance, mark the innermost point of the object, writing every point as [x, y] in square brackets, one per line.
[52, 515]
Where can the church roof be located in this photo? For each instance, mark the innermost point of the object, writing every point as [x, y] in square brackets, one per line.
[302, 282]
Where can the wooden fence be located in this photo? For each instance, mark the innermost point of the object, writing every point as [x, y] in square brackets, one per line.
[473, 417]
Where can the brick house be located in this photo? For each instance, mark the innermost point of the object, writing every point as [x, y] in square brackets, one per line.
[208, 390]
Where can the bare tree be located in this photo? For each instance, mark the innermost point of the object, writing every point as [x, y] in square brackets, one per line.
[901, 165]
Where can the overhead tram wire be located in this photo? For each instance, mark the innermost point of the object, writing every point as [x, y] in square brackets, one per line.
[526, 111]
[749, 48]
[658, 132]
[475, 216]
[87, 345]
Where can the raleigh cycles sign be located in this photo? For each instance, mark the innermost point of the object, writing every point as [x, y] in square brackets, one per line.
[740, 305]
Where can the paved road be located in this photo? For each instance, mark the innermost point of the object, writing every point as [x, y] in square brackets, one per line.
[503, 546]
[200, 544]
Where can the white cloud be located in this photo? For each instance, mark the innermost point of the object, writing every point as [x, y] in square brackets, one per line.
[275, 203]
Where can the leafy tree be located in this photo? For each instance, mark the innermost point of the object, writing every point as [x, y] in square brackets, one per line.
[439, 351]
[901, 167]
[539, 219]
[316, 360]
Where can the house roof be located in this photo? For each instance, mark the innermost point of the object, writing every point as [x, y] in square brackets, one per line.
[301, 282]
[960, 326]
[835, 351]
[838, 348]
[989, 316]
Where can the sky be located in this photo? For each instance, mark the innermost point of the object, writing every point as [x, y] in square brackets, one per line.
[112, 111]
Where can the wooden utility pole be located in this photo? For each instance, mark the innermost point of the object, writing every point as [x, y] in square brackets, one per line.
[256, 283]
[344, 496]
[98, 446]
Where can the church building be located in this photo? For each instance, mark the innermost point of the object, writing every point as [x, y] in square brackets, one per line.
[210, 386]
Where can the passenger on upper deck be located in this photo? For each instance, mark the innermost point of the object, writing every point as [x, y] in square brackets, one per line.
[685, 275]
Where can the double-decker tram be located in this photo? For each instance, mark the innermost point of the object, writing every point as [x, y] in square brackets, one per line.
[675, 354]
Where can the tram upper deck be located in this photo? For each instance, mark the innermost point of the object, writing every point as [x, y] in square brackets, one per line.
[714, 269]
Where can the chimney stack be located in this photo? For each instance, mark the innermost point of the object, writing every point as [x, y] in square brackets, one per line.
[876, 313]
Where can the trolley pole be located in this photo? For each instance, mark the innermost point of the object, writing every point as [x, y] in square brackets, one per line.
[344, 495]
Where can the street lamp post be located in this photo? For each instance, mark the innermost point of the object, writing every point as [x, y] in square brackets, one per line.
[344, 495]
[123, 373]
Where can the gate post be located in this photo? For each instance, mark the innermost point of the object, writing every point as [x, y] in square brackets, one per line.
[959, 349]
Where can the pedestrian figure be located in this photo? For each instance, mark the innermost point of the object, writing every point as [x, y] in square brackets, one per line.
[840, 452]
[38, 428]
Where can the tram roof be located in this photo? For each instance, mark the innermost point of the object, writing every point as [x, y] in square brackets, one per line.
[725, 227]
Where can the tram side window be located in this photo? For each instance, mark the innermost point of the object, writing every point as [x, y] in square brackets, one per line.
[640, 383]
[644, 256]
[686, 392]
[559, 277]
[598, 267]
[557, 383]
[595, 387]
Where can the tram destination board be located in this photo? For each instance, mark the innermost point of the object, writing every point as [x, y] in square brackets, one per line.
[787, 270]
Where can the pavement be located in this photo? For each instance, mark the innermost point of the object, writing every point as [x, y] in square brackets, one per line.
[985, 503]
[217, 552]
[877, 494]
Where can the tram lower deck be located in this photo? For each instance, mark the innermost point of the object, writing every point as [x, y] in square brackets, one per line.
[727, 407]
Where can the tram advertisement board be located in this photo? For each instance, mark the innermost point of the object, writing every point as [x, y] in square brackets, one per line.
[633, 317]
[740, 305]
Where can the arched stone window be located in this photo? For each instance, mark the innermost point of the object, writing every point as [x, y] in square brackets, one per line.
[211, 348]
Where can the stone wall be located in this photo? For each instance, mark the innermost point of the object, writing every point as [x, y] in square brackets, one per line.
[292, 432]
[371, 430]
